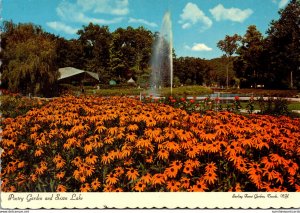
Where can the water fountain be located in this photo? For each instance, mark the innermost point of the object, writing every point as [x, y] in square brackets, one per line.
[162, 57]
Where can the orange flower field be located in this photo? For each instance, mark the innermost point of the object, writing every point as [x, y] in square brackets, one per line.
[119, 144]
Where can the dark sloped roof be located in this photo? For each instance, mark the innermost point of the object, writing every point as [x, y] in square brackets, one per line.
[67, 72]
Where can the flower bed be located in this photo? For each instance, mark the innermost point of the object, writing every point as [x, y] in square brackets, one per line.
[121, 144]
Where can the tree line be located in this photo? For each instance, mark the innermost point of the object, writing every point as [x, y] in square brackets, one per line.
[272, 61]
[31, 56]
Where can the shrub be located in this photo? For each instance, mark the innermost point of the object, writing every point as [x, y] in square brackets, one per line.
[14, 105]
[273, 106]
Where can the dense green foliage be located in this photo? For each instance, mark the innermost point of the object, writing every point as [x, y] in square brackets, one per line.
[31, 57]
[272, 61]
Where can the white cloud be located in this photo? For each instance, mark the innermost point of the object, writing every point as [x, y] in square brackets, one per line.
[191, 15]
[59, 26]
[142, 21]
[113, 7]
[186, 25]
[198, 47]
[232, 14]
[283, 3]
[76, 12]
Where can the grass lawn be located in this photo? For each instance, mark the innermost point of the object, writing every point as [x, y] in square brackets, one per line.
[179, 91]
[291, 106]
[294, 106]
[261, 92]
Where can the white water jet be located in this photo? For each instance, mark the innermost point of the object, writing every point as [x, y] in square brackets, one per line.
[162, 57]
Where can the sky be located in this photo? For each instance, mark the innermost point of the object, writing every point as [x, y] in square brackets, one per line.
[197, 25]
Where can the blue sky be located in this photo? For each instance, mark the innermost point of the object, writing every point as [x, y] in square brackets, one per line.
[197, 24]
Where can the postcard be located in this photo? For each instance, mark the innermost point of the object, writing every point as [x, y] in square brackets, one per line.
[114, 104]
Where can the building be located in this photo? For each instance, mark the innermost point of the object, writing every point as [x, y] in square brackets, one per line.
[71, 75]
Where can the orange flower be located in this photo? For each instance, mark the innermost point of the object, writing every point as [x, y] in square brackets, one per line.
[270, 173]
[106, 158]
[100, 129]
[38, 152]
[23, 146]
[60, 175]
[176, 164]
[171, 172]
[149, 159]
[85, 187]
[192, 163]
[144, 143]
[57, 158]
[146, 178]
[200, 186]
[88, 147]
[132, 174]
[11, 189]
[41, 169]
[4, 182]
[210, 177]
[236, 188]
[82, 178]
[21, 164]
[172, 146]
[185, 182]
[60, 163]
[91, 159]
[173, 186]
[77, 161]
[169, 133]
[292, 167]
[188, 170]
[128, 162]
[33, 177]
[241, 166]
[132, 127]
[131, 137]
[119, 171]
[61, 188]
[150, 122]
[108, 188]
[210, 167]
[95, 184]
[267, 162]
[297, 187]
[118, 190]
[192, 152]
[89, 170]
[111, 179]
[140, 186]
[158, 179]
[77, 174]
[163, 154]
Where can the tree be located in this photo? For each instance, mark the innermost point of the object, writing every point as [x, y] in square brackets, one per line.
[130, 52]
[95, 42]
[218, 71]
[229, 45]
[69, 53]
[283, 43]
[191, 70]
[249, 63]
[29, 58]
